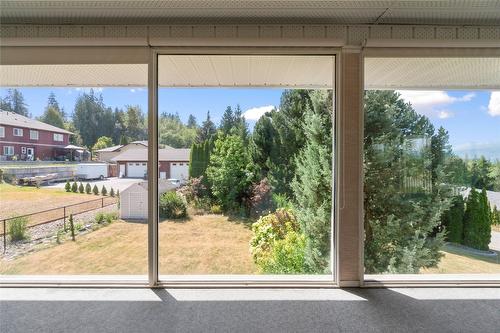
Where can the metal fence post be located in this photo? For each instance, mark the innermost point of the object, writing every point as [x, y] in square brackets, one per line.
[4, 236]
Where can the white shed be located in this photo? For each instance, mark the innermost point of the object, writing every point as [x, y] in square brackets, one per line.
[134, 199]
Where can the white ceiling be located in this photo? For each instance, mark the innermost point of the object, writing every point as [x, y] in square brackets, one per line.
[449, 12]
[250, 71]
[183, 71]
[264, 71]
[432, 73]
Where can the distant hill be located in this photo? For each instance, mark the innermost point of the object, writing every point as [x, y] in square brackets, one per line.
[489, 150]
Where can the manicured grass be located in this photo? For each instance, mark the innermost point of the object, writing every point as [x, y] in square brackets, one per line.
[456, 261]
[205, 244]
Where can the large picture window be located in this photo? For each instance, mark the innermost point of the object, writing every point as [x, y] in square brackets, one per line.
[431, 174]
[245, 166]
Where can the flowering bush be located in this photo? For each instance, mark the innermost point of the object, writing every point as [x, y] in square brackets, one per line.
[277, 244]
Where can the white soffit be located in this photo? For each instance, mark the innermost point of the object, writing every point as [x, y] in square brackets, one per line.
[432, 73]
[93, 75]
[182, 71]
[246, 71]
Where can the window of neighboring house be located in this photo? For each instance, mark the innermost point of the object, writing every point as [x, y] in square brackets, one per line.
[8, 150]
[18, 132]
[23, 150]
[58, 137]
[2, 132]
[33, 135]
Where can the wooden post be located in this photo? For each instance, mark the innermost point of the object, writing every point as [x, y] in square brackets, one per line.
[64, 218]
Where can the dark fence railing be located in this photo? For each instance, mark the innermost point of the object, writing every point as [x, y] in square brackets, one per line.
[56, 214]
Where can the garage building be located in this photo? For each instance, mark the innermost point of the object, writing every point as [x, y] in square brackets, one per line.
[173, 162]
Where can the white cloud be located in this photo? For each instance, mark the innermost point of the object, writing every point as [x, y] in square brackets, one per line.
[427, 102]
[445, 114]
[257, 112]
[494, 105]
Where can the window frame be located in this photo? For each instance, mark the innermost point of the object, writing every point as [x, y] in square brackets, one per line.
[37, 134]
[2, 132]
[13, 151]
[57, 135]
[153, 243]
[18, 130]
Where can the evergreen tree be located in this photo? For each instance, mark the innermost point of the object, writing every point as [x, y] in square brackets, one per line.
[240, 126]
[67, 187]
[229, 173]
[312, 189]
[402, 231]
[81, 189]
[477, 221]
[74, 187]
[206, 131]
[480, 174]
[227, 122]
[104, 191]
[173, 133]
[191, 123]
[261, 143]
[14, 102]
[88, 188]
[52, 117]
[136, 128]
[95, 190]
[111, 192]
[92, 119]
[453, 220]
[123, 140]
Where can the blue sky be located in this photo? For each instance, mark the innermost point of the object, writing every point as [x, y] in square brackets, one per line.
[471, 117]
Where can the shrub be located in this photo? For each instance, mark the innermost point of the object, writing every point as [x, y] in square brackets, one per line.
[281, 201]
[104, 191]
[67, 187]
[81, 189]
[477, 221]
[1, 176]
[72, 227]
[112, 192]
[453, 218]
[260, 198]
[216, 209]
[99, 217]
[194, 189]
[118, 193]
[18, 228]
[102, 217]
[88, 188]
[172, 206]
[287, 255]
[74, 187]
[95, 190]
[277, 245]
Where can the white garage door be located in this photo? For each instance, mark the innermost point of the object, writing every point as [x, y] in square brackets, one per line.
[179, 170]
[136, 169]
